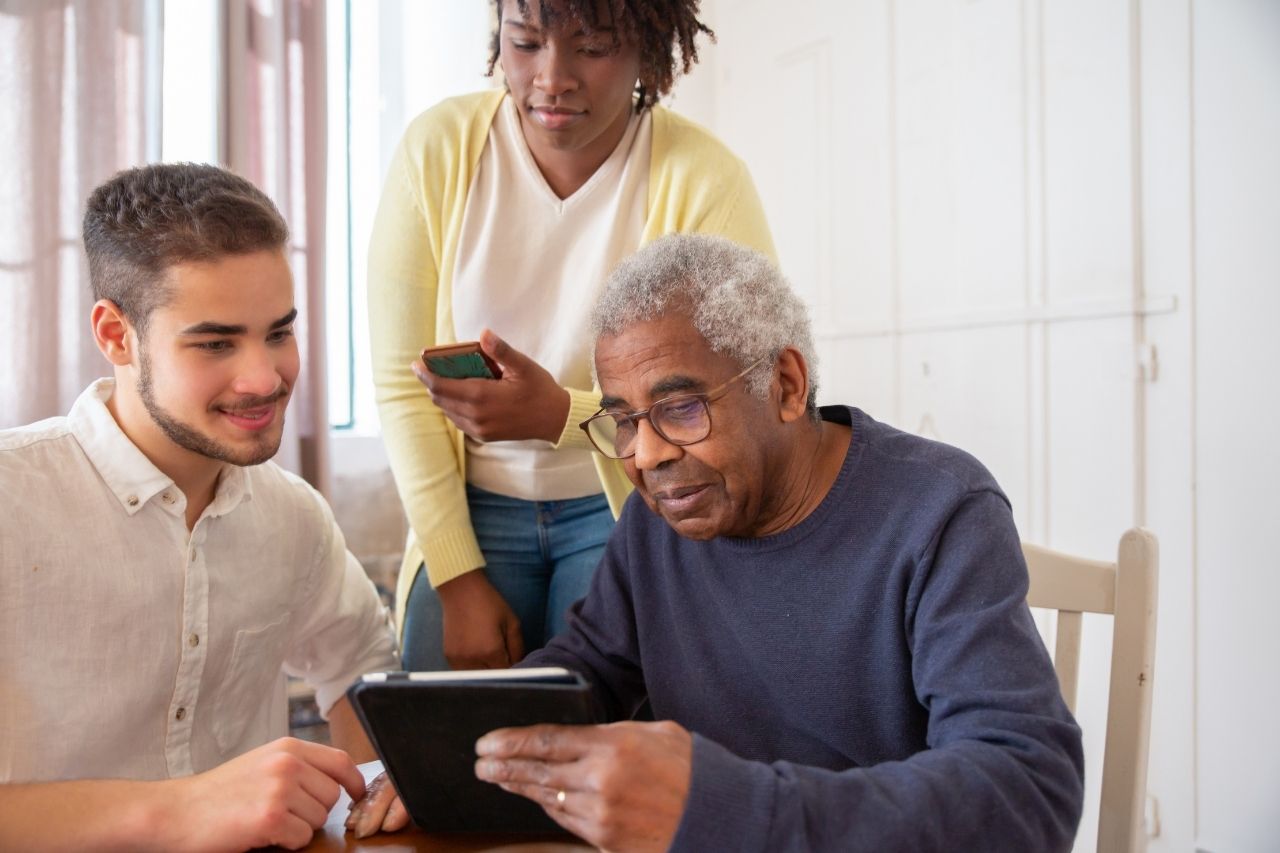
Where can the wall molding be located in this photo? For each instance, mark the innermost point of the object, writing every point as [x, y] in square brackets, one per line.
[1025, 316]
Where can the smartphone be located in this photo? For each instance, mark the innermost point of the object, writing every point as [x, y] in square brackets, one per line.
[460, 361]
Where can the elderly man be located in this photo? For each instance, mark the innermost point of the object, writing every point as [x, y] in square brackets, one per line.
[826, 614]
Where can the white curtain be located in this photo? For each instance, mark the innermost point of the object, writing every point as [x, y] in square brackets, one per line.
[273, 133]
[78, 102]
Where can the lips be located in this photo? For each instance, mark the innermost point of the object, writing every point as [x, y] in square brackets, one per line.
[680, 499]
[251, 419]
[556, 118]
[254, 413]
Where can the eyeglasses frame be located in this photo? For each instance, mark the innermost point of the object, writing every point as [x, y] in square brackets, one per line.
[707, 399]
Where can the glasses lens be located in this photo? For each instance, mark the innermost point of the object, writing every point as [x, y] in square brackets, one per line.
[612, 434]
[682, 420]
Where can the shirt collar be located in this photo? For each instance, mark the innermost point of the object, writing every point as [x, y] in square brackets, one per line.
[126, 470]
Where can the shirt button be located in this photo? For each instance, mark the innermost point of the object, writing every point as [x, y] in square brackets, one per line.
[182, 712]
[193, 640]
[193, 556]
[167, 498]
[132, 500]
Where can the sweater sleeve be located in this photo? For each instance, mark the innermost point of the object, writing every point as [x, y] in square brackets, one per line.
[602, 641]
[404, 255]
[1003, 769]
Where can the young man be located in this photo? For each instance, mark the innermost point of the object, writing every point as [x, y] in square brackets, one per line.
[828, 616]
[157, 572]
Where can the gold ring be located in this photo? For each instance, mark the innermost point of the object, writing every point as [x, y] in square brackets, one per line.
[560, 797]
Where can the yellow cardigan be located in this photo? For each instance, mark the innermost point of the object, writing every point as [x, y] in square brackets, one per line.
[695, 185]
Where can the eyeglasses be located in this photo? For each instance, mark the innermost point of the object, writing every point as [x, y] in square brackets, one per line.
[682, 419]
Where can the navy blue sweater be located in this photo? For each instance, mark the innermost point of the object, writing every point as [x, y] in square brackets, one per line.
[869, 679]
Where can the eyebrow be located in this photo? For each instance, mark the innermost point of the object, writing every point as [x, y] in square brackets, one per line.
[663, 388]
[210, 328]
[534, 28]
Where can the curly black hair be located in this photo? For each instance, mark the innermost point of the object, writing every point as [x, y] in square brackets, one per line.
[657, 26]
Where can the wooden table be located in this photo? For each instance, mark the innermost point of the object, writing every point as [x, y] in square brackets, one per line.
[334, 837]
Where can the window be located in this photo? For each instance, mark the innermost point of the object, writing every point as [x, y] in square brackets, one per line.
[387, 62]
[189, 80]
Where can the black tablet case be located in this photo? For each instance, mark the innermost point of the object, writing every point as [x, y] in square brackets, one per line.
[425, 733]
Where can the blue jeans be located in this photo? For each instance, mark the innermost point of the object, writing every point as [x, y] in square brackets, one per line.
[539, 555]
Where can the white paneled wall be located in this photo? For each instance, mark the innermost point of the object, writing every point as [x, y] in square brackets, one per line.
[1236, 187]
[1048, 231]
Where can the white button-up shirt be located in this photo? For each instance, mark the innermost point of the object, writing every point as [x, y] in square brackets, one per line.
[131, 647]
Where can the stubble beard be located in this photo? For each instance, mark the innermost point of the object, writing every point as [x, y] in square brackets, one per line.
[190, 438]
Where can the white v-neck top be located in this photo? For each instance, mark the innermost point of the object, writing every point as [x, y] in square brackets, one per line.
[530, 266]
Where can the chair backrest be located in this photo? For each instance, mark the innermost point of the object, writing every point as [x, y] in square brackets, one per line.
[1126, 589]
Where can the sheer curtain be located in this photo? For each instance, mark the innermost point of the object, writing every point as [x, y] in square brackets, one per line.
[78, 102]
[273, 133]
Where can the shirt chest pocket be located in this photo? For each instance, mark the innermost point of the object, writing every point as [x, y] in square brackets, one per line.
[246, 698]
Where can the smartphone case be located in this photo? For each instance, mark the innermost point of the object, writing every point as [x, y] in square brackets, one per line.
[425, 727]
[460, 361]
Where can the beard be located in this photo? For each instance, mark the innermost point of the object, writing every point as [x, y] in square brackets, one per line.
[190, 438]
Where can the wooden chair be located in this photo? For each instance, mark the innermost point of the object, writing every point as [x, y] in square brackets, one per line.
[1126, 589]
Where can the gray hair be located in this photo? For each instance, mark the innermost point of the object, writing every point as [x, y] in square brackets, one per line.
[738, 300]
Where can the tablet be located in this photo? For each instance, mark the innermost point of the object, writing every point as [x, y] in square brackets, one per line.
[425, 725]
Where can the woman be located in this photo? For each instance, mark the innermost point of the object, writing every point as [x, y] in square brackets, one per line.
[504, 211]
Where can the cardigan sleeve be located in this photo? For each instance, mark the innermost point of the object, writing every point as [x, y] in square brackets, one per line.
[404, 275]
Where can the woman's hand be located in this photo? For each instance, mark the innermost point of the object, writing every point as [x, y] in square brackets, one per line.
[481, 631]
[525, 402]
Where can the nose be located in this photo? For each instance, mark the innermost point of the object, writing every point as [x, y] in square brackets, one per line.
[555, 75]
[259, 373]
[652, 450]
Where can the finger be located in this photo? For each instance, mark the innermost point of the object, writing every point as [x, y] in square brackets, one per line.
[515, 641]
[508, 357]
[370, 811]
[294, 833]
[334, 763]
[425, 376]
[397, 817]
[521, 771]
[493, 660]
[303, 805]
[572, 813]
[441, 386]
[547, 797]
[547, 742]
[320, 787]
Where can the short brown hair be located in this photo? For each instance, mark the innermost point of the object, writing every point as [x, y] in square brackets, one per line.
[658, 26]
[143, 221]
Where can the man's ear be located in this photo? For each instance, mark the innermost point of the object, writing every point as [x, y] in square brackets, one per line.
[793, 378]
[112, 333]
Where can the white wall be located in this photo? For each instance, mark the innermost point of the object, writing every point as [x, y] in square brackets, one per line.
[1049, 232]
[1236, 463]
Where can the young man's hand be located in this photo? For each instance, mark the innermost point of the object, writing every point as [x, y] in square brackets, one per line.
[279, 793]
[619, 787]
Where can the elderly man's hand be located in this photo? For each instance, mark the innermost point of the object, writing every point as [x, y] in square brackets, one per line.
[381, 809]
[621, 787]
